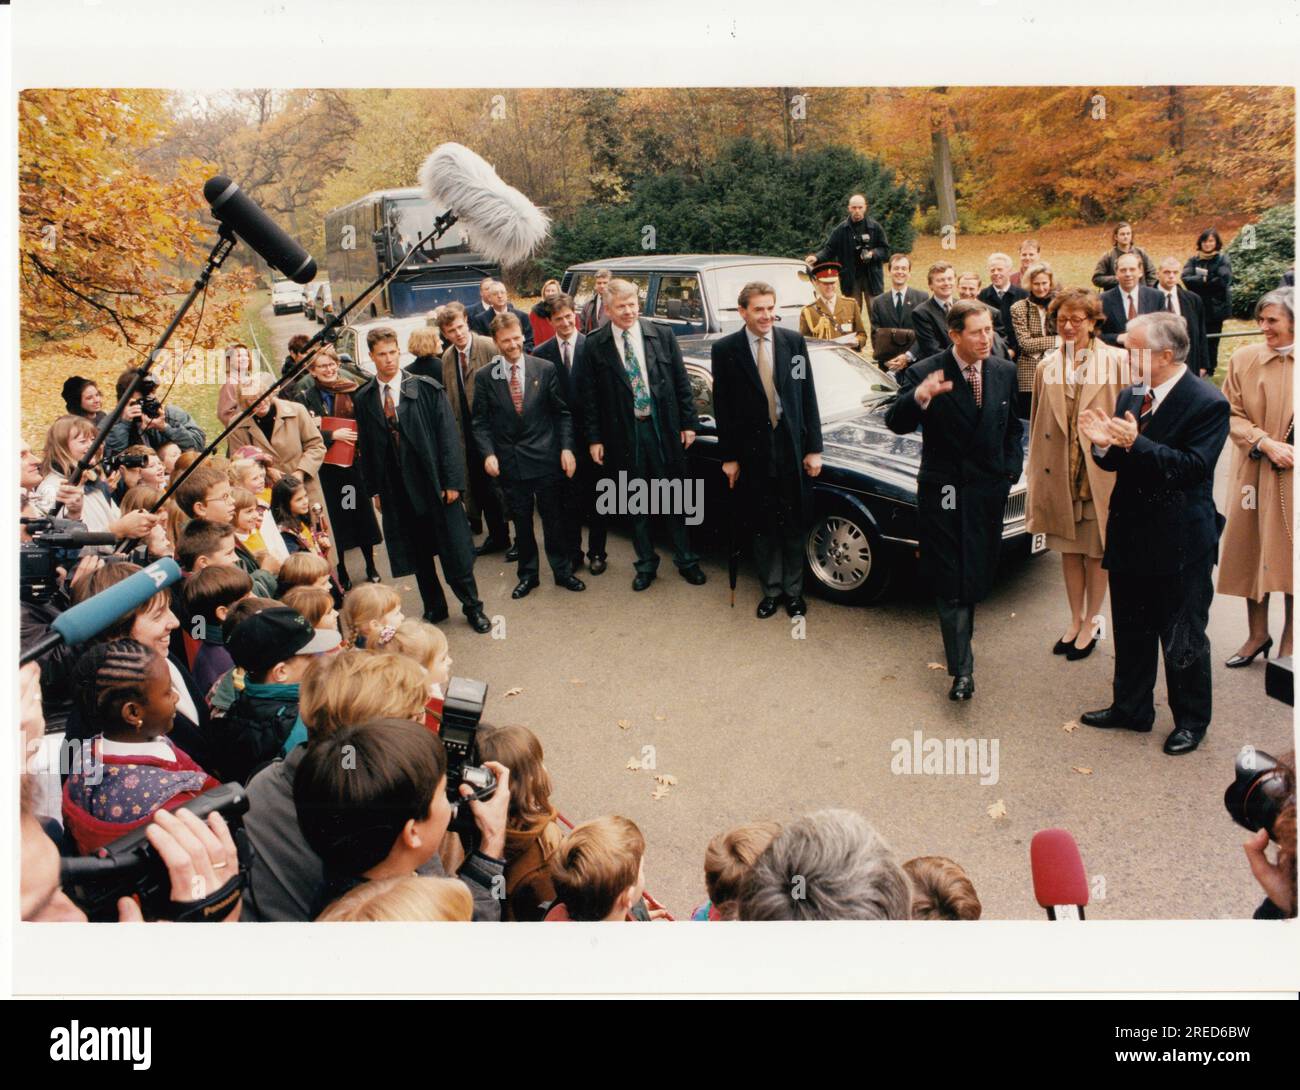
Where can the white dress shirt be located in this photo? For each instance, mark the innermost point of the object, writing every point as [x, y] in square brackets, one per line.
[638, 346]
[394, 384]
[572, 342]
[753, 339]
[1158, 395]
[1125, 296]
[1171, 303]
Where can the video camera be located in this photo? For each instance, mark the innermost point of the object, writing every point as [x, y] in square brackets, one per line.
[130, 867]
[122, 460]
[54, 544]
[462, 709]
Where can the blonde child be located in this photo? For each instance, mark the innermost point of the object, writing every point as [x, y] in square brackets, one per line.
[255, 528]
[315, 604]
[370, 616]
[304, 570]
[424, 643]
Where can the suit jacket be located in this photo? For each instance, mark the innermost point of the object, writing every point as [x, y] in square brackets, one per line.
[527, 444]
[893, 333]
[970, 458]
[482, 351]
[842, 246]
[607, 401]
[481, 322]
[740, 406]
[570, 379]
[1162, 513]
[1002, 309]
[1116, 318]
[1189, 306]
[587, 319]
[931, 325]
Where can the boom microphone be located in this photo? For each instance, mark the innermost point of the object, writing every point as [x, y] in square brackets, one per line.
[233, 207]
[88, 619]
[503, 224]
[1060, 882]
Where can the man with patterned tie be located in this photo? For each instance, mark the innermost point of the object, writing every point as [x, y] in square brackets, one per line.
[416, 475]
[1162, 531]
[524, 432]
[640, 419]
[971, 455]
[769, 441]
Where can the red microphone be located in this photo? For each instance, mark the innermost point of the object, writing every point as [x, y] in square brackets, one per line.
[1060, 882]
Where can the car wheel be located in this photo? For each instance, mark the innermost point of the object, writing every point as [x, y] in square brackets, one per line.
[846, 557]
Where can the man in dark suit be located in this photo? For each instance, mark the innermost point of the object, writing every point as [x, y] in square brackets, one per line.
[769, 438]
[1162, 532]
[500, 303]
[594, 315]
[524, 431]
[1178, 300]
[1126, 300]
[892, 330]
[971, 455]
[415, 472]
[859, 244]
[640, 418]
[567, 350]
[1000, 294]
[930, 319]
[468, 353]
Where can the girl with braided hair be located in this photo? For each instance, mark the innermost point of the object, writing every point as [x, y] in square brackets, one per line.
[130, 768]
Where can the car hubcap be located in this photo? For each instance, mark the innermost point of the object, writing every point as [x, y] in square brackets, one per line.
[839, 553]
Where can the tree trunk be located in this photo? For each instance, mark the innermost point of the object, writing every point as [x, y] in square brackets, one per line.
[944, 190]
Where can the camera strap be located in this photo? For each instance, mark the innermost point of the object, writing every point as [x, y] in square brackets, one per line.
[213, 908]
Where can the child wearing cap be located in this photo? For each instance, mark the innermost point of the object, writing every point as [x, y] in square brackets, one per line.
[209, 595]
[271, 651]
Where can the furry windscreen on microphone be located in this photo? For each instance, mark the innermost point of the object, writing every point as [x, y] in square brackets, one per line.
[502, 223]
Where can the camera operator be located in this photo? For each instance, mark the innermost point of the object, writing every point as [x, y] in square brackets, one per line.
[1267, 808]
[145, 421]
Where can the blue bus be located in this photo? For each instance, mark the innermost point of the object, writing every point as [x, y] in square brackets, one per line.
[374, 232]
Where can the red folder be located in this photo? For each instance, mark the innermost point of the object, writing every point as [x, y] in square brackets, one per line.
[340, 453]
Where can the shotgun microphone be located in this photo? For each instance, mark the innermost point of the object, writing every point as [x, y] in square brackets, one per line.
[239, 212]
[1060, 882]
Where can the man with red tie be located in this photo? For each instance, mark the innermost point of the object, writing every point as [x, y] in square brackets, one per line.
[1162, 531]
[1128, 299]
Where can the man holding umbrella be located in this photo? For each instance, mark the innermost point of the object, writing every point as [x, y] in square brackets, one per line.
[770, 441]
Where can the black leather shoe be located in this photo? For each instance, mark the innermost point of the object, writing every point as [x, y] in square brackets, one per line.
[1062, 646]
[478, 621]
[492, 545]
[1246, 660]
[572, 583]
[512, 554]
[373, 576]
[1106, 719]
[693, 575]
[436, 616]
[1074, 654]
[963, 687]
[1181, 741]
[523, 587]
[766, 608]
[345, 582]
[596, 565]
[796, 606]
[643, 579]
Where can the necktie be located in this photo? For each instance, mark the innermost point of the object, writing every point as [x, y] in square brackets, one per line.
[765, 376]
[898, 305]
[976, 386]
[640, 394]
[516, 388]
[464, 368]
[564, 352]
[1169, 302]
[945, 307]
[390, 412]
[1145, 413]
[1132, 310]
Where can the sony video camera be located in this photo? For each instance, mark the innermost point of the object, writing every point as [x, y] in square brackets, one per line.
[130, 867]
[122, 460]
[462, 708]
[54, 544]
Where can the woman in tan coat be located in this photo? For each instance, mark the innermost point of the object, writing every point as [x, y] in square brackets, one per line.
[1031, 320]
[1069, 495]
[286, 431]
[1256, 555]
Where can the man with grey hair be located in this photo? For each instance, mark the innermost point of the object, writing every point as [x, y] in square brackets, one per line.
[1178, 300]
[498, 300]
[1000, 294]
[1162, 534]
[831, 865]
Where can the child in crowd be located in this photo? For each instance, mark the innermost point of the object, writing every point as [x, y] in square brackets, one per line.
[599, 873]
[941, 890]
[533, 836]
[223, 694]
[726, 864]
[167, 454]
[313, 603]
[305, 570]
[271, 651]
[206, 494]
[370, 616]
[209, 596]
[124, 693]
[424, 643]
[256, 530]
[144, 497]
[151, 473]
[291, 507]
[248, 470]
[411, 899]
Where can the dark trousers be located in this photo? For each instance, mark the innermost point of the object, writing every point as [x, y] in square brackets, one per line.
[779, 540]
[650, 465]
[957, 622]
[1170, 612]
[1212, 325]
[578, 502]
[455, 548]
[488, 501]
[520, 496]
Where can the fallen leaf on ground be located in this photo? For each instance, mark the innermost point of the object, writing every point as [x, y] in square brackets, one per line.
[661, 718]
[624, 724]
[659, 792]
[665, 779]
[1082, 771]
[997, 810]
[633, 765]
[934, 665]
[888, 677]
[1070, 727]
[576, 681]
[514, 692]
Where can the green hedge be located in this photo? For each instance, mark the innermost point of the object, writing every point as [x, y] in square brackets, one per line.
[1258, 268]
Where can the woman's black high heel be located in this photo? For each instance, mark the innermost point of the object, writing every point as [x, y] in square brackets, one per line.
[1246, 660]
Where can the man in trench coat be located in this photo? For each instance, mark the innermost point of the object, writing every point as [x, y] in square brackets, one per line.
[971, 455]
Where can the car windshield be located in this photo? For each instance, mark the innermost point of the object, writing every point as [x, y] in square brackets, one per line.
[409, 220]
[793, 293]
[846, 383]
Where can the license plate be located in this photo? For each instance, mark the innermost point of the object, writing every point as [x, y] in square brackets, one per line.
[1038, 544]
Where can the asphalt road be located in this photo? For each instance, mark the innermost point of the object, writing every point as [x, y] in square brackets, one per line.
[754, 723]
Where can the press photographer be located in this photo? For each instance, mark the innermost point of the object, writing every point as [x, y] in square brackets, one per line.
[1262, 799]
[145, 420]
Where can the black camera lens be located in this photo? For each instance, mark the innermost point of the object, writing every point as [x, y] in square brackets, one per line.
[1260, 790]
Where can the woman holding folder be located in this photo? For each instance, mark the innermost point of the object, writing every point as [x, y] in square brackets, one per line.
[327, 394]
